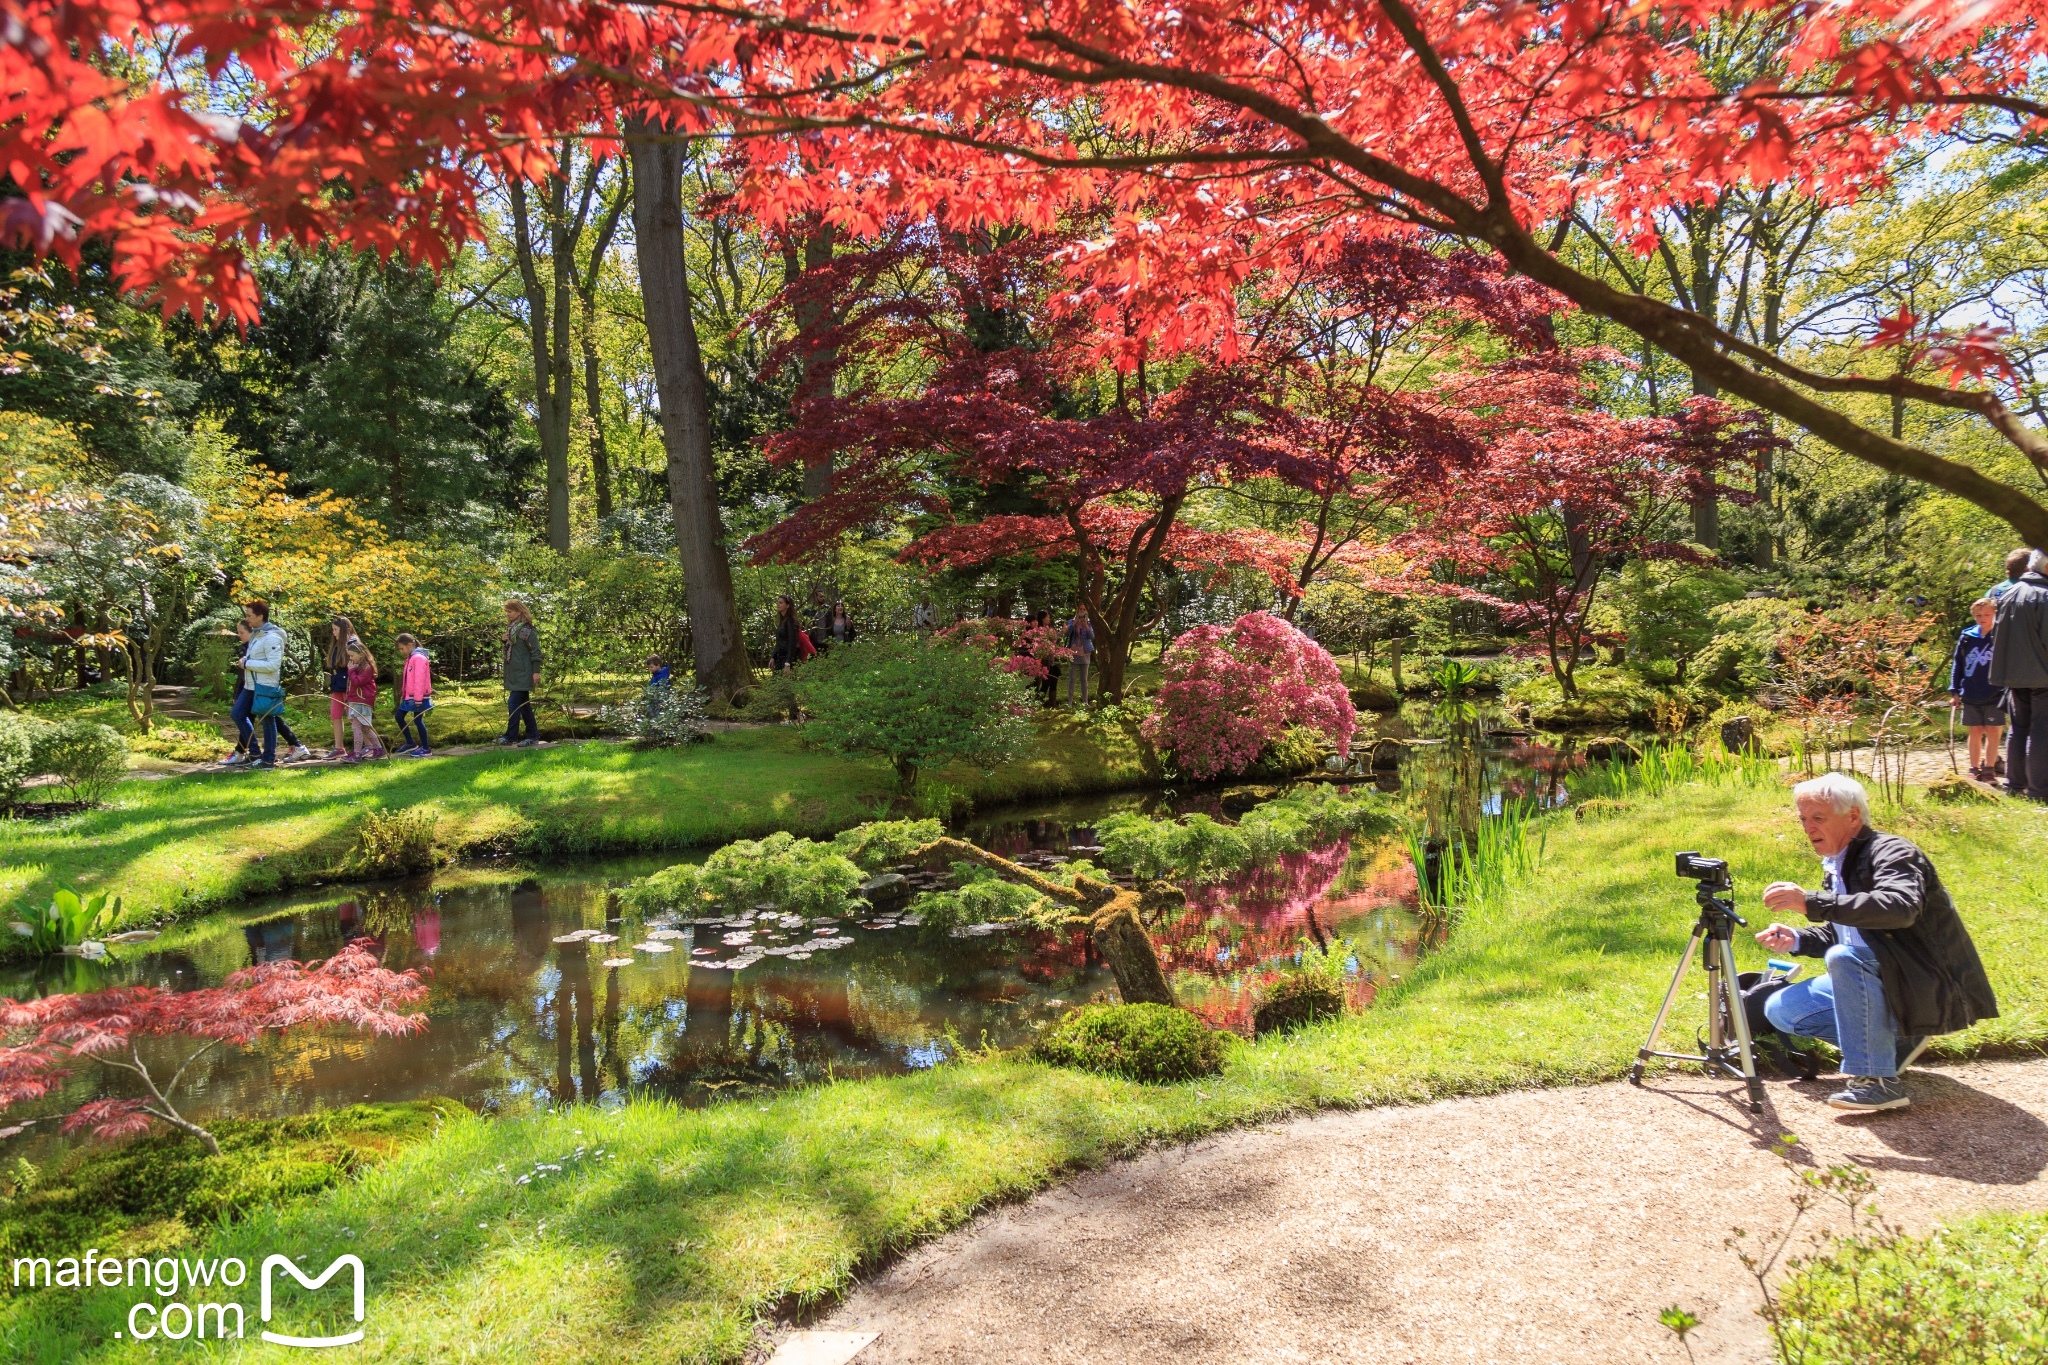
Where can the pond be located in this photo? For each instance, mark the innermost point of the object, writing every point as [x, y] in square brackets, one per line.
[520, 1019]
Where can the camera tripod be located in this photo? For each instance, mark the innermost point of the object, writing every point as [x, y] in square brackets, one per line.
[1725, 1014]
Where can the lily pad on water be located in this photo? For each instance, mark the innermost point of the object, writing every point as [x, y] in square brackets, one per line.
[576, 937]
[799, 957]
[652, 948]
[618, 962]
[704, 952]
[743, 936]
[604, 938]
[665, 934]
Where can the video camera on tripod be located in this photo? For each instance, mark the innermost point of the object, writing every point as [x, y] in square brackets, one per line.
[1728, 1048]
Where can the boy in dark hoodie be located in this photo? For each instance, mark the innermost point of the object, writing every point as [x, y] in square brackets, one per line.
[1970, 691]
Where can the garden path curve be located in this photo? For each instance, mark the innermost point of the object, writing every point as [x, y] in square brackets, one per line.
[1548, 1225]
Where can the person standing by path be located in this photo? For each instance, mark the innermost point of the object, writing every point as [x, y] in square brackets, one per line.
[341, 633]
[2019, 664]
[522, 676]
[1971, 694]
[262, 665]
[415, 698]
[1081, 640]
[789, 636]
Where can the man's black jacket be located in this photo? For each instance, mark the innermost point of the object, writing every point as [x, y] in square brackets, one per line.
[1890, 893]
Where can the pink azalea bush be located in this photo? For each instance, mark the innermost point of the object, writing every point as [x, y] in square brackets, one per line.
[1231, 692]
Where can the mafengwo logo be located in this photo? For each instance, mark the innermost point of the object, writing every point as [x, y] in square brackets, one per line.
[172, 1315]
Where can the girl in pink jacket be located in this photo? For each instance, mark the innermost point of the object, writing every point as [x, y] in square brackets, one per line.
[415, 698]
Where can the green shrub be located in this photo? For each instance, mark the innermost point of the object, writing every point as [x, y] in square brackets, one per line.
[1296, 752]
[160, 1192]
[794, 874]
[17, 753]
[672, 717]
[1297, 998]
[1974, 1292]
[1315, 987]
[1201, 849]
[1156, 1044]
[398, 842]
[984, 897]
[89, 756]
[1610, 697]
[768, 701]
[883, 843]
[917, 703]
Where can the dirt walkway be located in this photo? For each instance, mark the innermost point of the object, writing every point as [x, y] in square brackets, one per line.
[1532, 1227]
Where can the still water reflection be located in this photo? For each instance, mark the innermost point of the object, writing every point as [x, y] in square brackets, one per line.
[517, 1018]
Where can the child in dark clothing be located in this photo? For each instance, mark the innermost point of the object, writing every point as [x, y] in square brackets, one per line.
[1971, 693]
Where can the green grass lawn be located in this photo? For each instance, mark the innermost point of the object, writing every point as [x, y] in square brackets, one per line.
[693, 1222]
[181, 845]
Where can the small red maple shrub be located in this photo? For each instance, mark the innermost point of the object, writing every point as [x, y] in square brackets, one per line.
[1231, 692]
[272, 997]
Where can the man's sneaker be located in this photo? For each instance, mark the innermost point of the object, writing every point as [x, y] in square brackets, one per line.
[233, 761]
[503, 740]
[529, 744]
[1909, 1051]
[1870, 1095]
[419, 751]
[300, 754]
[264, 767]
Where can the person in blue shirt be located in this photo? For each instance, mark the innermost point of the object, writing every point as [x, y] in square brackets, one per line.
[658, 683]
[1981, 705]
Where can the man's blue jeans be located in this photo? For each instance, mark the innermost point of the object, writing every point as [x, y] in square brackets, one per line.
[242, 713]
[1845, 1007]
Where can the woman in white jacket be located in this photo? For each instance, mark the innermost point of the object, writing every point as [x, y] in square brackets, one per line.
[263, 663]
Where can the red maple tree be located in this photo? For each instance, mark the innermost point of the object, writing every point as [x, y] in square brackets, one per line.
[107, 1027]
[1566, 491]
[1225, 136]
[996, 414]
[1358, 342]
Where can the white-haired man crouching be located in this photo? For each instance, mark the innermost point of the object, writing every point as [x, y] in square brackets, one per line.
[1900, 965]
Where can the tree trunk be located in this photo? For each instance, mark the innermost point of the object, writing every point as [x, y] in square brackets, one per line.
[1114, 924]
[593, 386]
[593, 403]
[547, 329]
[719, 654]
[812, 314]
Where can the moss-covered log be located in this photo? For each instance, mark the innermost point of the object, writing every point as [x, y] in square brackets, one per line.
[1110, 912]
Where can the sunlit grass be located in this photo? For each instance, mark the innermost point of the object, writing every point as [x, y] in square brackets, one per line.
[705, 1218]
[180, 845]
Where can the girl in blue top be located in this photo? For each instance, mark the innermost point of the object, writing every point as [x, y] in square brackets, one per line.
[1971, 692]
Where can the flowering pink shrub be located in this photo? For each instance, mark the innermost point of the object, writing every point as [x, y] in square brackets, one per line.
[1230, 693]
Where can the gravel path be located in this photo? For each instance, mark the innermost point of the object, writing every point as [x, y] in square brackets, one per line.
[1536, 1226]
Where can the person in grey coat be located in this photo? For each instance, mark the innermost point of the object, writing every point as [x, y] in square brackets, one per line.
[2019, 664]
[522, 676]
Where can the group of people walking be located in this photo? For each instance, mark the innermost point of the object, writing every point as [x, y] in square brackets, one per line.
[1999, 674]
[352, 689]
